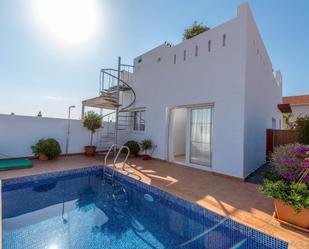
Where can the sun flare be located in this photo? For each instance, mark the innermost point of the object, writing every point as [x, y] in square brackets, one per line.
[69, 21]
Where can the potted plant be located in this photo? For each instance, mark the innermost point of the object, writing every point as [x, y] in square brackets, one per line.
[46, 149]
[146, 145]
[133, 146]
[92, 121]
[288, 185]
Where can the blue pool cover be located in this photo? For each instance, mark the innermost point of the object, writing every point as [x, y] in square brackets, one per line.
[81, 209]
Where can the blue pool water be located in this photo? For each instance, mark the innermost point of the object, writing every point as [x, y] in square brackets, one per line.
[81, 209]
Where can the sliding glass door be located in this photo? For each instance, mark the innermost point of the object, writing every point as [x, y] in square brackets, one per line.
[200, 136]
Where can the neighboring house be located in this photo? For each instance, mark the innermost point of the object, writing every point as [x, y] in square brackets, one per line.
[206, 102]
[299, 105]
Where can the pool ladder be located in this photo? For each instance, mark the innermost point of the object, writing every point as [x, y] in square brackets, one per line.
[115, 146]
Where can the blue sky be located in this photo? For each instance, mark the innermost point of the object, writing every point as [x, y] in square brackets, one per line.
[39, 73]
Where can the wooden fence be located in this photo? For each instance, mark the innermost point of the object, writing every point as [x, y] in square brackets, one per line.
[275, 138]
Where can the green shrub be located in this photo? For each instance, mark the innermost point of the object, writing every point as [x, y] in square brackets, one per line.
[146, 145]
[288, 178]
[295, 194]
[133, 146]
[92, 121]
[287, 124]
[281, 158]
[302, 126]
[272, 175]
[194, 30]
[49, 147]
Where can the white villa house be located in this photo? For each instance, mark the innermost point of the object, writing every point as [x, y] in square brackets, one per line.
[299, 105]
[205, 103]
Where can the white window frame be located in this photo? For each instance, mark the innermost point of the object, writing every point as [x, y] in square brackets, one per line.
[188, 138]
[133, 121]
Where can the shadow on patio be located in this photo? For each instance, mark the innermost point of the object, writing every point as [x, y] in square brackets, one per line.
[227, 196]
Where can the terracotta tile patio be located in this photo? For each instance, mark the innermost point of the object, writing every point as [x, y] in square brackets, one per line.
[239, 200]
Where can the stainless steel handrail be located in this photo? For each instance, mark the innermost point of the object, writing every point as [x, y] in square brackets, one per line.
[107, 154]
[116, 158]
[125, 160]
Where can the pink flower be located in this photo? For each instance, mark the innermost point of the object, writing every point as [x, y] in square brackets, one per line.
[306, 179]
[289, 176]
[305, 164]
[301, 149]
[290, 162]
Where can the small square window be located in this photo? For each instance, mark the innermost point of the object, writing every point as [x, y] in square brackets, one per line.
[138, 121]
[273, 123]
[224, 40]
[196, 50]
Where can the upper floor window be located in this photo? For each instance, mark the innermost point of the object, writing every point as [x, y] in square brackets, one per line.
[174, 59]
[223, 40]
[139, 120]
[273, 123]
[209, 45]
[196, 50]
[184, 55]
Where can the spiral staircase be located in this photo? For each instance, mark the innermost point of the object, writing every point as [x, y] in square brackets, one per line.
[116, 96]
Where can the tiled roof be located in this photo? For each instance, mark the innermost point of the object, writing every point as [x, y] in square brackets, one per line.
[296, 100]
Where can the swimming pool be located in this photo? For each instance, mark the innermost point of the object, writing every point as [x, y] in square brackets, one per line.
[81, 209]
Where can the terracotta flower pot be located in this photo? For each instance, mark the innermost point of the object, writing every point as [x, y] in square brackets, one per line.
[146, 157]
[287, 213]
[90, 150]
[43, 157]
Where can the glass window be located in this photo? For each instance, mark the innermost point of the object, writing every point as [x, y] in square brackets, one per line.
[273, 123]
[224, 40]
[174, 59]
[209, 45]
[200, 138]
[184, 55]
[139, 120]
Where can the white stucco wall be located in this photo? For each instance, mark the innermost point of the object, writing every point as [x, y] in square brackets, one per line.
[19, 133]
[299, 110]
[237, 78]
[262, 95]
[211, 77]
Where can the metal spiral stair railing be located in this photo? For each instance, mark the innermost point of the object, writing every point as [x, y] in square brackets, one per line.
[112, 83]
[129, 88]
